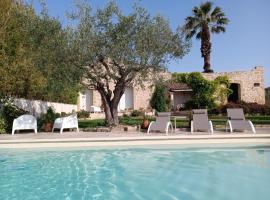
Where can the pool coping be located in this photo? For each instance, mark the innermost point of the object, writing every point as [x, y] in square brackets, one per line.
[184, 140]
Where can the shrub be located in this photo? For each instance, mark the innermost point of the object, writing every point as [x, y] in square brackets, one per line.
[159, 98]
[205, 93]
[136, 113]
[249, 108]
[9, 112]
[48, 117]
[2, 125]
[83, 114]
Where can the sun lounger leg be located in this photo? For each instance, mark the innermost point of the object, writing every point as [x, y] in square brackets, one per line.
[149, 127]
[230, 126]
[252, 126]
[191, 127]
[211, 127]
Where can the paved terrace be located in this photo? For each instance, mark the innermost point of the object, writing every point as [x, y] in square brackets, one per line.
[108, 139]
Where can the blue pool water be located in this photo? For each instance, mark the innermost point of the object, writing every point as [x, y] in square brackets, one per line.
[158, 174]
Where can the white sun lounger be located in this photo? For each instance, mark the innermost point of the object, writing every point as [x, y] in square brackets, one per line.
[162, 123]
[200, 121]
[237, 121]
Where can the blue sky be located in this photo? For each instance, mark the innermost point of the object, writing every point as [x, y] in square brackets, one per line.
[245, 44]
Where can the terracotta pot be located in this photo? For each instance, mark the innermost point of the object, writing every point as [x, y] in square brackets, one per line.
[145, 124]
[48, 127]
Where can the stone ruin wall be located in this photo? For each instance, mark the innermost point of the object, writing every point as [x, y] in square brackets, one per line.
[250, 91]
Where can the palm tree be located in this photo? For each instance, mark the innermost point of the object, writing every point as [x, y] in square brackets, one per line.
[202, 23]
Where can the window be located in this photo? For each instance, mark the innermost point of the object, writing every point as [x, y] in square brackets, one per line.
[256, 84]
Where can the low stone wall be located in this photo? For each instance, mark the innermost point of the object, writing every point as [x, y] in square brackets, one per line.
[36, 107]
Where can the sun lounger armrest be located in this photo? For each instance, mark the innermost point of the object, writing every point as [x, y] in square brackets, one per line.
[149, 127]
[251, 126]
[191, 126]
[211, 127]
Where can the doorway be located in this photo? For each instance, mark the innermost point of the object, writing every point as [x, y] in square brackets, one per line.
[235, 96]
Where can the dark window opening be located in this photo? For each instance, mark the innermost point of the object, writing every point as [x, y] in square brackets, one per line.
[256, 84]
[235, 96]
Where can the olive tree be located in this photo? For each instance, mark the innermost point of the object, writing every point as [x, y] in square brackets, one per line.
[115, 50]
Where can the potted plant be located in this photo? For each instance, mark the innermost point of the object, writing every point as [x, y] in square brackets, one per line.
[46, 120]
[145, 122]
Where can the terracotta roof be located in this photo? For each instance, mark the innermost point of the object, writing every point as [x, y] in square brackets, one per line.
[178, 87]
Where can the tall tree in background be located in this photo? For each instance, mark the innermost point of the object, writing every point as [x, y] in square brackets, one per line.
[35, 55]
[204, 21]
[116, 49]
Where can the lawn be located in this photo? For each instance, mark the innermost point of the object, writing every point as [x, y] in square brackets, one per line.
[133, 121]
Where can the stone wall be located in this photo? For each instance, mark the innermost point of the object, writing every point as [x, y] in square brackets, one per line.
[251, 83]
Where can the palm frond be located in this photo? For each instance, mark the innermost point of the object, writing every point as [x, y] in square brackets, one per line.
[206, 7]
[218, 29]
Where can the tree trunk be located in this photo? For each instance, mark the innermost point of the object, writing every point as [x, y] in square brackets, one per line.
[111, 105]
[206, 49]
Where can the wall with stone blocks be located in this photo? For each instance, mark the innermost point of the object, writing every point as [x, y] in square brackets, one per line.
[251, 83]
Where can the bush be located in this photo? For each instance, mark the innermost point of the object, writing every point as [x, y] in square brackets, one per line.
[48, 117]
[249, 108]
[159, 98]
[136, 113]
[9, 112]
[205, 93]
[83, 114]
[2, 125]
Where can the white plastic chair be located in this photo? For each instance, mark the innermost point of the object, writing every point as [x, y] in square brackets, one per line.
[24, 122]
[66, 122]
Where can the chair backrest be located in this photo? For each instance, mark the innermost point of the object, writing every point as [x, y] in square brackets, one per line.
[235, 114]
[200, 119]
[163, 114]
[161, 122]
[26, 119]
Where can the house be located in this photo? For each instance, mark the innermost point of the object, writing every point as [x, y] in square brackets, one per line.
[247, 86]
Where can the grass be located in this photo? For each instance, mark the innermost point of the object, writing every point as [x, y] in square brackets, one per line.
[219, 121]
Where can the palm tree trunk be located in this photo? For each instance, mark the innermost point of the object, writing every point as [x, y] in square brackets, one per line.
[206, 49]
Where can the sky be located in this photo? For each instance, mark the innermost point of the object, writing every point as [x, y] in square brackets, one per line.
[245, 44]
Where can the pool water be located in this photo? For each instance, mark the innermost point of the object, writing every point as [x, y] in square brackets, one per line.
[158, 174]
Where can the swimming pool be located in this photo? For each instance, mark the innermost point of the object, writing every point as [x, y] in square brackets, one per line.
[218, 174]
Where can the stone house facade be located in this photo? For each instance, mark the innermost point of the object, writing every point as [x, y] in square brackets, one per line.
[247, 86]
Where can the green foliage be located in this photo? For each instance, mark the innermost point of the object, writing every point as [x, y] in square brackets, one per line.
[48, 117]
[93, 123]
[205, 94]
[116, 49]
[9, 112]
[159, 98]
[83, 114]
[249, 108]
[2, 125]
[205, 20]
[35, 55]
[136, 113]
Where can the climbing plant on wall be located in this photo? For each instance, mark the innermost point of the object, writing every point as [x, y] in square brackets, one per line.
[205, 93]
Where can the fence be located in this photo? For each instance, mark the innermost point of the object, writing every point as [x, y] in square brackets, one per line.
[36, 107]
